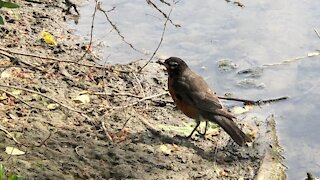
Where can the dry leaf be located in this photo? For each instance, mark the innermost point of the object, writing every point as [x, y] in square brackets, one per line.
[9, 72]
[163, 148]
[53, 106]
[221, 172]
[3, 96]
[14, 151]
[84, 98]
[16, 92]
[120, 136]
[13, 116]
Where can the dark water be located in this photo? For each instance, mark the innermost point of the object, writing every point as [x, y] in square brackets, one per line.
[264, 32]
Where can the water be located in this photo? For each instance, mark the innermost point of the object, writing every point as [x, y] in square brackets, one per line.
[264, 32]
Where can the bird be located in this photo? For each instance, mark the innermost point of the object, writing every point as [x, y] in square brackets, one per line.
[192, 95]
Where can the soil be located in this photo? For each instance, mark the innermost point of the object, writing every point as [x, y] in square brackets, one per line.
[67, 114]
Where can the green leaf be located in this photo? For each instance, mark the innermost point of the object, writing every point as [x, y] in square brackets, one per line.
[2, 23]
[187, 128]
[8, 4]
[2, 172]
[14, 177]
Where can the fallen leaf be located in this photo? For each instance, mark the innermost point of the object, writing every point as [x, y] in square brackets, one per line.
[53, 106]
[3, 96]
[16, 92]
[220, 171]
[163, 148]
[175, 148]
[120, 136]
[84, 98]
[83, 92]
[5, 62]
[13, 116]
[14, 151]
[48, 38]
[36, 96]
[90, 76]
[6, 73]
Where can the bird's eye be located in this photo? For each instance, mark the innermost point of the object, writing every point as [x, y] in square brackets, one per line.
[174, 65]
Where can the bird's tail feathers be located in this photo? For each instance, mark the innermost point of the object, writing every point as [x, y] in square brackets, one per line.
[232, 129]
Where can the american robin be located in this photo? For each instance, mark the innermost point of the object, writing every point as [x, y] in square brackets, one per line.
[194, 98]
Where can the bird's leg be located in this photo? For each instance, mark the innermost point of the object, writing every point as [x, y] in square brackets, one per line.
[205, 130]
[195, 128]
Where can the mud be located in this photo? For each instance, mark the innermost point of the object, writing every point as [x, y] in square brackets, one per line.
[87, 139]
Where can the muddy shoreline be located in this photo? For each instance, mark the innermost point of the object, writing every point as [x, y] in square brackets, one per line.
[47, 91]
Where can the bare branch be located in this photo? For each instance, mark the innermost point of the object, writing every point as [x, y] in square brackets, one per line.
[317, 33]
[41, 94]
[161, 39]
[24, 102]
[49, 58]
[164, 14]
[115, 27]
[252, 102]
[91, 30]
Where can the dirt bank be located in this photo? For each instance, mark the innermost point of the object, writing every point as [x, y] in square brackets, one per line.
[66, 114]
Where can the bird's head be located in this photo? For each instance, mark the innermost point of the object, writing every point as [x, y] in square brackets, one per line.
[174, 65]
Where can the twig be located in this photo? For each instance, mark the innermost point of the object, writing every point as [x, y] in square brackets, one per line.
[17, 60]
[106, 131]
[140, 87]
[91, 30]
[236, 3]
[115, 28]
[251, 102]
[124, 125]
[76, 149]
[18, 142]
[139, 83]
[9, 134]
[41, 94]
[116, 94]
[7, 54]
[77, 152]
[317, 33]
[164, 14]
[24, 102]
[164, 2]
[36, 2]
[149, 126]
[161, 39]
[42, 143]
[143, 99]
[54, 59]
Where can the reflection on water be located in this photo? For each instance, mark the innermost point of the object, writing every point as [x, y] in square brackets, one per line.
[264, 32]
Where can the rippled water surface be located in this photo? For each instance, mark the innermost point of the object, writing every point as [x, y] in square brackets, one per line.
[263, 32]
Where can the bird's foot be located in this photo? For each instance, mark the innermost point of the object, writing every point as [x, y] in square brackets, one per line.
[202, 135]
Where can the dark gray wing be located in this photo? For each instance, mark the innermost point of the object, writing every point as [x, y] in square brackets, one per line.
[193, 89]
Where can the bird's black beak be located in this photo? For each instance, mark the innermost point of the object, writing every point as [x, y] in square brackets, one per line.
[161, 62]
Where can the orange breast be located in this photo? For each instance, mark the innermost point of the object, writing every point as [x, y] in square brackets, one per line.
[185, 107]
